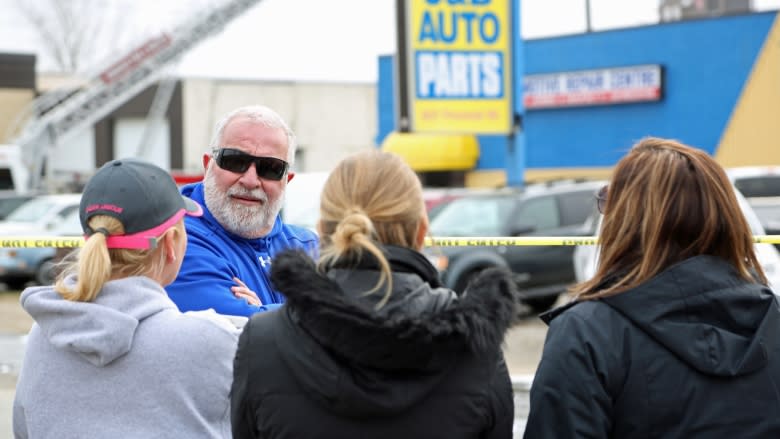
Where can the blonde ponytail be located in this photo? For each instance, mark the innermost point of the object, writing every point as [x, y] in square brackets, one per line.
[93, 263]
[371, 199]
[96, 264]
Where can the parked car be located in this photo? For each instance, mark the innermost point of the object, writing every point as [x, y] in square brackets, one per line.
[436, 198]
[541, 272]
[39, 214]
[43, 215]
[10, 201]
[756, 181]
[760, 185]
[586, 256]
[767, 210]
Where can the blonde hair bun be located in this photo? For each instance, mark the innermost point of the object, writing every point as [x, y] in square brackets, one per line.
[355, 227]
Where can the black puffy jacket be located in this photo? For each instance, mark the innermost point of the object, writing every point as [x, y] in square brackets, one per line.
[327, 365]
[692, 353]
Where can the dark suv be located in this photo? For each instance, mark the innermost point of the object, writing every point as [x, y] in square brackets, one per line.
[542, 272]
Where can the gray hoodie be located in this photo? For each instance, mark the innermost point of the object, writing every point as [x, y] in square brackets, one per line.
[128, 365]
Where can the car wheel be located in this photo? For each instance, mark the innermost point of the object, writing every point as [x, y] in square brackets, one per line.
[45, 273]
[15, 284]
[541, 304]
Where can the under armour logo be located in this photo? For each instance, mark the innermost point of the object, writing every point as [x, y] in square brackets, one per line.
[264, 260]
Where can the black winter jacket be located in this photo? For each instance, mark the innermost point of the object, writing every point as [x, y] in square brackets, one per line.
[692, 353]
[327, 365]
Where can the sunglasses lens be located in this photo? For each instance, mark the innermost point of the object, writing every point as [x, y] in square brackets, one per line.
[270, 168]
[233, 160]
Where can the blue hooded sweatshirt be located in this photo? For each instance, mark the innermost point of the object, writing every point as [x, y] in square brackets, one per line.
[215, 256]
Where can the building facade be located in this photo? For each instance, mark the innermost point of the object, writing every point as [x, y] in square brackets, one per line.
[331, 120]
[17, 91]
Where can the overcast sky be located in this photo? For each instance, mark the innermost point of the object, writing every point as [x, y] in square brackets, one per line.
[336, 40]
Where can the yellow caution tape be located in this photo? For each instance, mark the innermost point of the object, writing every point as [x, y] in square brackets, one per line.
[766, 239]
[475, 241]
[41, 241]
[446, 241]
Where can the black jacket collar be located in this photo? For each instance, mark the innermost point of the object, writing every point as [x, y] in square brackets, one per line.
[477, 322]
[401, 259]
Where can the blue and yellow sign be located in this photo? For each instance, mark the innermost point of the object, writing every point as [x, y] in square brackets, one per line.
[460, 66]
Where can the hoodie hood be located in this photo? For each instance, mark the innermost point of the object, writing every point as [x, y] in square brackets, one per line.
[360, 361]
[100, 331]
[709, 317]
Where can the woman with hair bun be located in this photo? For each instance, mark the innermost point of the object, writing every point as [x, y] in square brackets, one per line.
[369, 343]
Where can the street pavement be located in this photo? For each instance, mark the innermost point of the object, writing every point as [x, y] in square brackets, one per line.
[11, 355]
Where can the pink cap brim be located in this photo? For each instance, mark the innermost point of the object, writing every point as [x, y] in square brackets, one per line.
[147, 239]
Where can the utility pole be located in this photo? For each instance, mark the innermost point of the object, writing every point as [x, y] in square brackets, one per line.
[401, 62]
[587, 16]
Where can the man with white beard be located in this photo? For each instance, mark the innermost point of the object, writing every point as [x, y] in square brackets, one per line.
[228, 260]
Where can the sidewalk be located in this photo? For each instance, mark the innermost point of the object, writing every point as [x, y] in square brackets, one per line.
[7, 383]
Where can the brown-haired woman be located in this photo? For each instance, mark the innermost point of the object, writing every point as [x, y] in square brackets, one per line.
[676, 335]
[369, 344]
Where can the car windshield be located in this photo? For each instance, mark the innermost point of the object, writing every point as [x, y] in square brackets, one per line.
[761, 186]
[472, 216]
[31, 211]
[9, 204]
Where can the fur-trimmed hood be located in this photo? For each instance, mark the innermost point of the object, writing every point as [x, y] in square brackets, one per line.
[367, 360]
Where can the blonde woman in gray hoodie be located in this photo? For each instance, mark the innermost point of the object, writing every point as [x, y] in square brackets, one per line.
[110, 355]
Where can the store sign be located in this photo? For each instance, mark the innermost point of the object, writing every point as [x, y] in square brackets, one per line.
[593, 87]
[459, 66]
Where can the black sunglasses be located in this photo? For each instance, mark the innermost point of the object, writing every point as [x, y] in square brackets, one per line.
[234, 160]
[601, 199]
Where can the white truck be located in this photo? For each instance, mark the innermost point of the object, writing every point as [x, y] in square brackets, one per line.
[14, 175]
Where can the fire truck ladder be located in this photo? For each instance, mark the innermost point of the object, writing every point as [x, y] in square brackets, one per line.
[119, 82]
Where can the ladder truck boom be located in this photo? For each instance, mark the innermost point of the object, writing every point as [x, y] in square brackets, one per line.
[120, 81]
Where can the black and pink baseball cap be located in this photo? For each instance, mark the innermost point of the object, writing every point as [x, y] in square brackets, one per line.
[141, 195]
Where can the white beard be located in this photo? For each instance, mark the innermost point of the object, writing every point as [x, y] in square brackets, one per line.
[244, 221]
